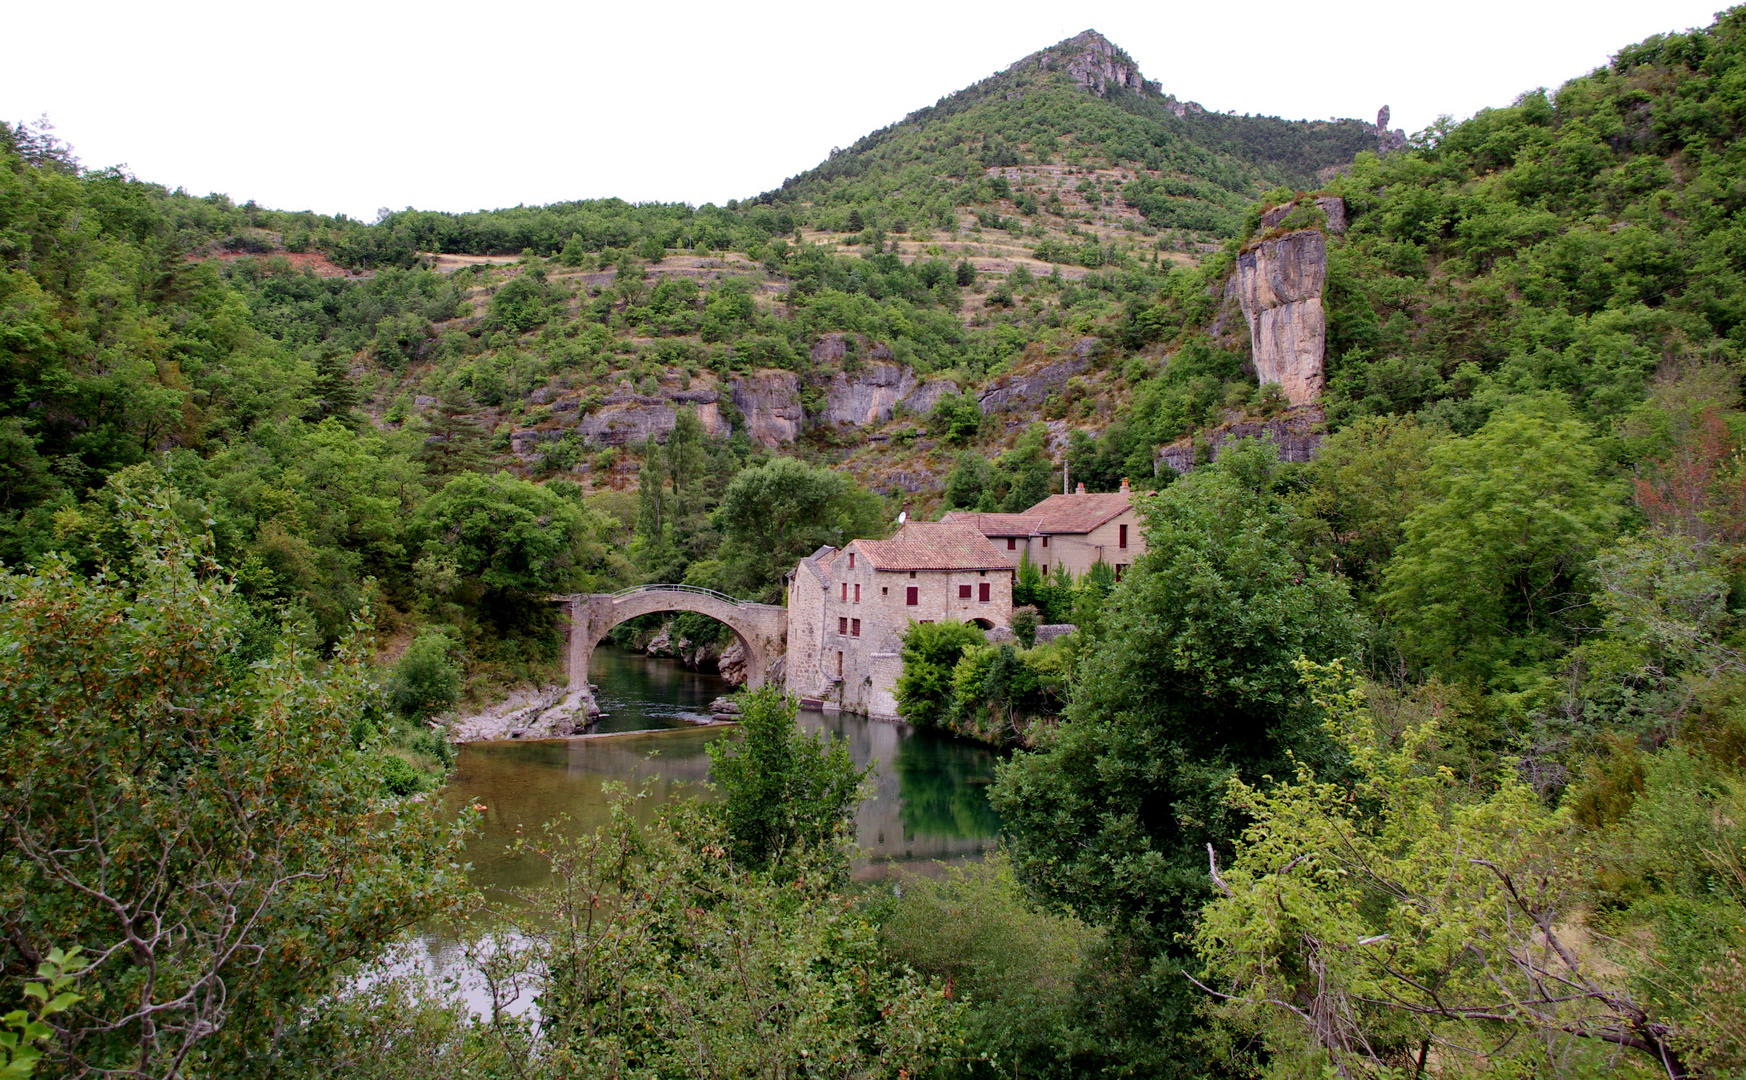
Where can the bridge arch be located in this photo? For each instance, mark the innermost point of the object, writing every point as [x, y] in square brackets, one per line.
[761, 628]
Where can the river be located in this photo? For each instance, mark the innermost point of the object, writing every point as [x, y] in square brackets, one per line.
[929, 805]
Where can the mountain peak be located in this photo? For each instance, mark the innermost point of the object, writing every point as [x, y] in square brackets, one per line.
[1094, 62]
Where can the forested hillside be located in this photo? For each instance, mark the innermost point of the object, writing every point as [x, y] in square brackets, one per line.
[1424, 755]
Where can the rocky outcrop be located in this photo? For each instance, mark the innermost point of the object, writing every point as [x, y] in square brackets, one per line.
[1016, 390]
[1297, 436]
[1387, 142]
[870, 395]
[770, 402]
[1279, 283]
[1333, 208]
[1095, 63]
[732, 664]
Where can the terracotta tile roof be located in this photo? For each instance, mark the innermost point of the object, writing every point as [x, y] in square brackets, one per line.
[1077, 513]
[934, 545]
[995, 524]
[819, 561]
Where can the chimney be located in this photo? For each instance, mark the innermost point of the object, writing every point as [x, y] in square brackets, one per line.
[1080, 490]
[1124, 485]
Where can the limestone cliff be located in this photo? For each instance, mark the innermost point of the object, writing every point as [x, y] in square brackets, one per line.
[770, 402]
[1279, 284]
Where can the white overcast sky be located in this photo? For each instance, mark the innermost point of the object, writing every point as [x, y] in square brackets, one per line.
[344, 107]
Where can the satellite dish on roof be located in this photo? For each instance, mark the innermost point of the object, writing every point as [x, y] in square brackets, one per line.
[902, 516]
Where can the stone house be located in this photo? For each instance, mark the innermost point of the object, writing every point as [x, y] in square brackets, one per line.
[848, 608]
[1074, 531]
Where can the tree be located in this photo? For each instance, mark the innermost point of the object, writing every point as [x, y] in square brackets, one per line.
[930, 652]
[785, 795]
[773, 514]
[965, 274]
[1365, 921]
[1491, 580]
[206, 830]
[969, 478]
[657, 953]
[515, 538]
[1189, 684]
[456, 440]
[425, 680]
[1030, 468]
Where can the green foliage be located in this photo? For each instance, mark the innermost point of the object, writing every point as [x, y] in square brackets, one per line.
[930, 652]
[238, 783]
[1492, 579]
[787, 798]
[21, 1030]
[658, 954]
[1325, 907]
[774, 513]
[1189, 684]
[1015, 966]
[1024, 625]
[425, 680]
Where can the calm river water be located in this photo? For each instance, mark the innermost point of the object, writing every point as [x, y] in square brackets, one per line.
[930, 805]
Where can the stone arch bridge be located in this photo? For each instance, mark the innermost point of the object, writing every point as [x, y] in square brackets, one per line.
[761, 628]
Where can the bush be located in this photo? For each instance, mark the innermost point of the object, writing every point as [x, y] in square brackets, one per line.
[1024, 625]
[400, 778]
[425, 680]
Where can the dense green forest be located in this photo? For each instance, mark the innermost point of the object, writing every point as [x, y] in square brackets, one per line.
[1423, 757]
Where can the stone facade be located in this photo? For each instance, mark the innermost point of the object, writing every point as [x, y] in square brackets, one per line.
[848, 609]
[1074, 531]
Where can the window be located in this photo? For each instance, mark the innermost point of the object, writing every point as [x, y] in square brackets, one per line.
[1123, 542]
[884, 590]
[912, 573]
[1045, 541]
[852, 558]
[1012, 543]
[842, 625]
[857, 594]
[982, 592]
[845, 592]
[1121, 568]
[1045, 569]
[839, 665]
[855, 628]
[963, 592]
[912, 596]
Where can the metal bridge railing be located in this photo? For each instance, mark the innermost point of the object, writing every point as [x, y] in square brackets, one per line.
[635, 590]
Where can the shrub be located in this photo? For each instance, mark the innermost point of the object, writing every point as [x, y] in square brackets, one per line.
[426, 680]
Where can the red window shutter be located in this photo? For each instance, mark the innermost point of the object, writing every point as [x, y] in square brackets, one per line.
[857, 594]
[963, 592]
[851, 560]
[982, 592]
[1124, 539]
[845, 591]
[855, 628]
[842, 626]
[1045, 541]
[1011, 543]
[912, 596]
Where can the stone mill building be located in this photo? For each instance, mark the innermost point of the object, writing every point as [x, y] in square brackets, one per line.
[848, 608]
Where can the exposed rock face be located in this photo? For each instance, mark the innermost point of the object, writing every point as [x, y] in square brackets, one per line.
[1279, 283]
[870, 395]
[1094, 62]
[770, 402]
[616, 425]
[732, 664]
[1387, 142]
[1331, 206]
[1296, 436]
[1025, 389]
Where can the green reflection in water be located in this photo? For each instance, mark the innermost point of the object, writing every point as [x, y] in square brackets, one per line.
[929, 800]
